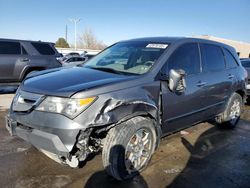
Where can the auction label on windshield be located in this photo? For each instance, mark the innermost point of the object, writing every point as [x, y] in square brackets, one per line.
[163, 46]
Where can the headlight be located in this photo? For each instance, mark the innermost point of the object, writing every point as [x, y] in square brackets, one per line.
[68, 107]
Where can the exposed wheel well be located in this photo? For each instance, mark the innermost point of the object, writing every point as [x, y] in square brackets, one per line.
[242, 94]
[100, 133]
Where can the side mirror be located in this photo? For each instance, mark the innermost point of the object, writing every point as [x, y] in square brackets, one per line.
[177, 80]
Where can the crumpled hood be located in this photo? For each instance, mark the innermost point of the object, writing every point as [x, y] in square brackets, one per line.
[66, 82]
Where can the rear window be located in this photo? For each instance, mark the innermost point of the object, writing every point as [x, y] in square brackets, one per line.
[43, 48]
[212, 58]
[246, 63]
[10, 48]
[24, 52]
[230, 61]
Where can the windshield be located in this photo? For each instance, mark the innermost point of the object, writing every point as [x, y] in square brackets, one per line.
[127, 57]
[246, 63]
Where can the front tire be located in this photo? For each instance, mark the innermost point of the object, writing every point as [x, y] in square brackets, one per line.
[230, 117]
[128, 147]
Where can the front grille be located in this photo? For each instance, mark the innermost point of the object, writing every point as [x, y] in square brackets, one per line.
[25, 101]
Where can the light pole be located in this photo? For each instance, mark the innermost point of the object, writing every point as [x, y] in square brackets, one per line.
[75, 21]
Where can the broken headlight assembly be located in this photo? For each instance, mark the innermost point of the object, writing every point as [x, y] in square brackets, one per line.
[66, 106]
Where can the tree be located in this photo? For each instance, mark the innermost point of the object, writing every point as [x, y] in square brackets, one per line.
[62, 43]
[88, 40]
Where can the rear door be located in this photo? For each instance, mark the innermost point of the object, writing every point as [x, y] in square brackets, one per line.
[11, 54]
[218, 81]
[46, 56]
[181, 110]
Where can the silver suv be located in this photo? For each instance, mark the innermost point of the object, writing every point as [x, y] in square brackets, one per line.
[19, 58]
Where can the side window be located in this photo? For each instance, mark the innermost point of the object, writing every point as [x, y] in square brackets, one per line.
[79, 59]
[70, 60]
[43, 48]
[24, 52]
[186, 58]
[212, 58]
[13, 48]
[245, 63]
[230, 61]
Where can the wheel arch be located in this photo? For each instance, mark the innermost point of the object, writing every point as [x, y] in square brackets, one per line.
[242, 93]
[125, 112]
[27, 70]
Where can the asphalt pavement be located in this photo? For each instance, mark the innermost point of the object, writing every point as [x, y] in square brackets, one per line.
[200, 156]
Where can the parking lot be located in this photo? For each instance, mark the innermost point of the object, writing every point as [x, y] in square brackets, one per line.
[200, 156]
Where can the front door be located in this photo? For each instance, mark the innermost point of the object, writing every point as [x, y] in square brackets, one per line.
[182, 109]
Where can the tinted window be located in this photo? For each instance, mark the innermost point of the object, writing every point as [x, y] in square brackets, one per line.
[89, 56]
[246, 63]
[24, 52]
[212, 58]
[80, 59]
[230, 61]
[10, 48]
[187, 58]
[70, 60]
[44, 49]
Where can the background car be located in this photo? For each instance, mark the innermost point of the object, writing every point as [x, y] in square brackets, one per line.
[89, 56]
[73, 61]
[72, 54]
[18, 58]
[246, 64]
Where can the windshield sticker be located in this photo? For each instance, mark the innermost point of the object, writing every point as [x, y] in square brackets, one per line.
[162, 46]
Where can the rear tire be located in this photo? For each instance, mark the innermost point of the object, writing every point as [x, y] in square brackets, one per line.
[230, 117]
[128, 148]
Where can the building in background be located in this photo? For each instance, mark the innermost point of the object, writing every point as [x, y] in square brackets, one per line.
[242, 48]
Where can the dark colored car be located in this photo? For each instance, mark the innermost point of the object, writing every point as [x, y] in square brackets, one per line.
[126, 98]
[72, 54]
[19, 58]
[89, 56]
[73, 61]
[246, 64]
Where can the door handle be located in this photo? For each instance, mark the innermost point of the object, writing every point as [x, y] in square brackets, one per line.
[201, 84]
[230, 76]
[25, 59]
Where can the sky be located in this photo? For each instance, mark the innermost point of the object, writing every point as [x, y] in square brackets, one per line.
[115, 20]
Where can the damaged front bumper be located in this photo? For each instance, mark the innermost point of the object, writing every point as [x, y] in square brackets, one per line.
[40, 139]
[49, 132]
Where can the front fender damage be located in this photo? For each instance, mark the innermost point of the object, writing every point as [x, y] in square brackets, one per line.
[112, 110]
